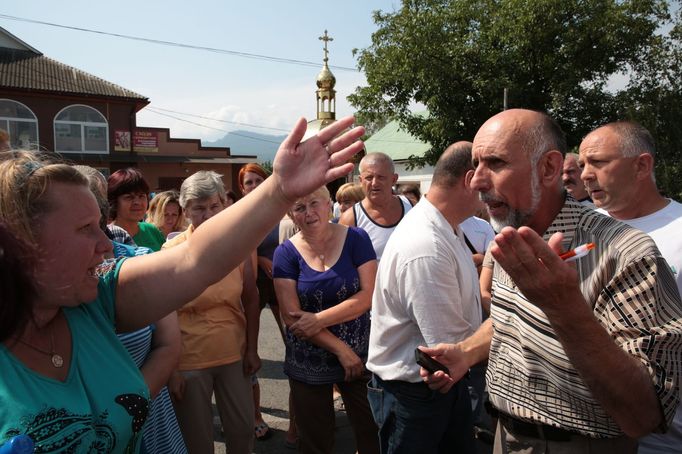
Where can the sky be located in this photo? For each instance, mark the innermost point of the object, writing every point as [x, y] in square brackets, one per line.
[198, 82]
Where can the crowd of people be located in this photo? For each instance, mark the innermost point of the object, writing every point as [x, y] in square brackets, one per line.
[122, 318]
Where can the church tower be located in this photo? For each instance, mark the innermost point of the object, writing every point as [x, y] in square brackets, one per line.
[326, 95]
[326, 109]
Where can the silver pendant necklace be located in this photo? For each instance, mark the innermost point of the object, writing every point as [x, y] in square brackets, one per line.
[57, 360]
[319, 255]
[316, 253]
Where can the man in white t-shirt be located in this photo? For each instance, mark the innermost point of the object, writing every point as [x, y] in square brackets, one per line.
[426, 292]
[618, 171]
[478, 233]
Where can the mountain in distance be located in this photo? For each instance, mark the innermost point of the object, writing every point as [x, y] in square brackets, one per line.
[250, 143]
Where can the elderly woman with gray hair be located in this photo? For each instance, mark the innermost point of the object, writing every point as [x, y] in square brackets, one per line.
[219, 338]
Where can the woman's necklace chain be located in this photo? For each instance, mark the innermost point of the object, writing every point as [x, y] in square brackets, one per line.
[57, 359]
[317, 254]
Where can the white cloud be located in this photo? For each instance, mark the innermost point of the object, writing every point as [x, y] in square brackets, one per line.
[272, 107]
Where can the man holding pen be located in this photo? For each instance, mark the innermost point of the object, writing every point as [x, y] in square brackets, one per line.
[583, 356]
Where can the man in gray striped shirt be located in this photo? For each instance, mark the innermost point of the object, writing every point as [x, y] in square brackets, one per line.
[583, 356]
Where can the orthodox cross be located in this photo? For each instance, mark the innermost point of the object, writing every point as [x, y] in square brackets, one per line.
[326, 38]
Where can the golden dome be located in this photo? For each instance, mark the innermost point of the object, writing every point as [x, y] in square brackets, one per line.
[315, 126]
[326, 80]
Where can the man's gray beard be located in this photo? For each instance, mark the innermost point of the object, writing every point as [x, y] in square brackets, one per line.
[514, 218]
[518, 218]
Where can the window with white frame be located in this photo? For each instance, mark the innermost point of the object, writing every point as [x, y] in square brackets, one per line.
[81, 129]
[20, 123]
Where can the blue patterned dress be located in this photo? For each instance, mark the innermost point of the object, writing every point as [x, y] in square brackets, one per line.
[320, 290]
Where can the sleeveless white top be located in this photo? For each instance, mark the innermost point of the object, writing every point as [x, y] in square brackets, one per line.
[379, 234]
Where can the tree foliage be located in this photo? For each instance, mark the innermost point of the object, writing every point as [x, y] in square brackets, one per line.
[456, 57]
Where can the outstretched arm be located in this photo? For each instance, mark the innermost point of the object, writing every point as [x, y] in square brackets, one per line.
[172, 277]
[252, 313]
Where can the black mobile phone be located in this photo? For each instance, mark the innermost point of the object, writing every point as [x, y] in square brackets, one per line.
[429, 363]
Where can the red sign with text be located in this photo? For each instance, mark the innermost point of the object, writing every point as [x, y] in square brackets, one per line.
[145, 142]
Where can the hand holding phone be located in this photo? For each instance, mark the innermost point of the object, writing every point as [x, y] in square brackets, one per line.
[429, 363]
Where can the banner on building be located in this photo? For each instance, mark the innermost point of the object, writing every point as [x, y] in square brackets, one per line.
[121, 140]
[145, 142]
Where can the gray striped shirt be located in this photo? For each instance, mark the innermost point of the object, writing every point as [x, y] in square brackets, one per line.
[633, 295]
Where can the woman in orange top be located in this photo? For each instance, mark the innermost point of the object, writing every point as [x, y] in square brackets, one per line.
[219, 339]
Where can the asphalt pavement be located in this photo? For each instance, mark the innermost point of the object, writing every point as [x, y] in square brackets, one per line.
[275, 400]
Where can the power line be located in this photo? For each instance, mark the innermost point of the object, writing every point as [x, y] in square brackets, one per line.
[157, 109]
[186, 46]
[216, 119]
[152, 108]
[211, 127]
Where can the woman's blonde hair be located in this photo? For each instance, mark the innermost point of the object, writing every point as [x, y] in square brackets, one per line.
[158, 205]
[352, 191]
[25, 178]
[321, 192]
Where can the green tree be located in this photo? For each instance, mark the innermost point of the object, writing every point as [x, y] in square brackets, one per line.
[456, 57]
[267, 165]
[654, 98]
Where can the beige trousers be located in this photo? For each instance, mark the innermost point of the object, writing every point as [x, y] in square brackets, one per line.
[235, 407]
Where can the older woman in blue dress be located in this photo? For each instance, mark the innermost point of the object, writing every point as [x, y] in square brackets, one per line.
[324, 279]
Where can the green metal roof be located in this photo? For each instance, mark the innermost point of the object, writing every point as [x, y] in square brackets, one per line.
[396, 142]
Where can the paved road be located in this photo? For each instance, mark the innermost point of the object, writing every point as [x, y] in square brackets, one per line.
[275, 395]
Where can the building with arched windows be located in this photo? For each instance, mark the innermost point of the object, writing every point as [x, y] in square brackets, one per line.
[47, 105]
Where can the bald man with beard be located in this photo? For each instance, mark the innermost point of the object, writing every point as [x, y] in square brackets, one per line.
[583, 356]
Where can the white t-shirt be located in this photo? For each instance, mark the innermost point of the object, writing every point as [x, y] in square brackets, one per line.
[479, 232]
[426, 292]
[665, 228]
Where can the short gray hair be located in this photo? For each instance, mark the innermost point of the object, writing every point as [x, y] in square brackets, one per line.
[575, 156]
[634, 138]
[544, 136]
[203, 184]
[377, 157]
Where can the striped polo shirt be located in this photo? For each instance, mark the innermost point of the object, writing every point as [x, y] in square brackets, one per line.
[634, 297]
